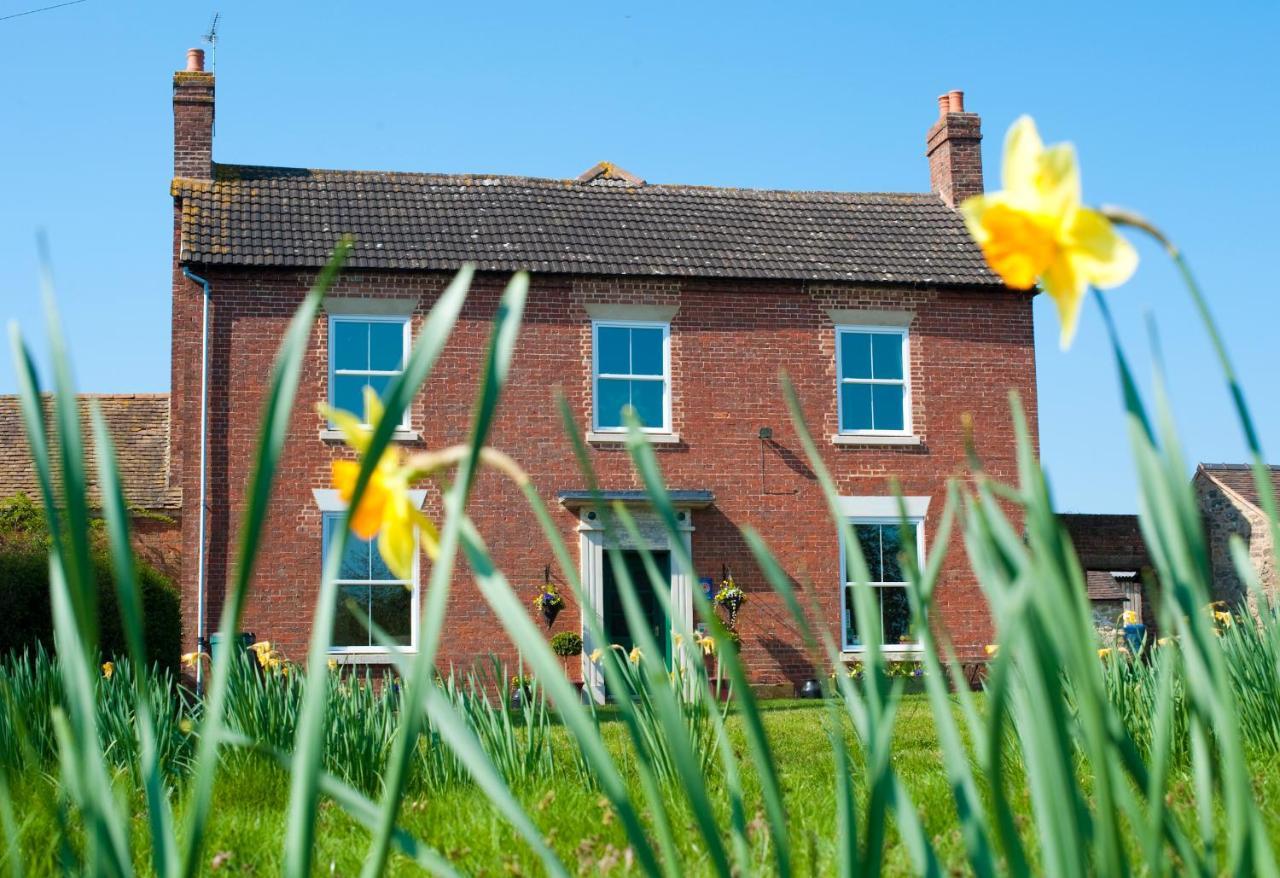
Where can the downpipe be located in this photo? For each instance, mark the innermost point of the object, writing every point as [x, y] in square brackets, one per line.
[202, 640]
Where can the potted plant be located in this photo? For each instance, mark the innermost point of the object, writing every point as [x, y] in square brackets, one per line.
[567, 644]
[549, 603]
[521, 691]
[1135, 633]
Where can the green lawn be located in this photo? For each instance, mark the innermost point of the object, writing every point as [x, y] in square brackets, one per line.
[248, 826]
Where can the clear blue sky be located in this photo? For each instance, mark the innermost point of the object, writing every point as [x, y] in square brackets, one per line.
[1172, 108]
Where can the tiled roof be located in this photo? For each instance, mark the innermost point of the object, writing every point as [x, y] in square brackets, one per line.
[1239, 478]
[290, 217]
[1106, 586]
[139, 427]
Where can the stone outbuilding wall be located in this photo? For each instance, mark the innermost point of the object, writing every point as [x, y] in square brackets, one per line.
[1230, 506]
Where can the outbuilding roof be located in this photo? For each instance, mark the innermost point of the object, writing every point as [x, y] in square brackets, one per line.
[607, 222]
[1239, 478]
[139, 428]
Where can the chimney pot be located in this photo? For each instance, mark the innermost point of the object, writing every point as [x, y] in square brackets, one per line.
[944, 105]
[955, 98]
[195, 60]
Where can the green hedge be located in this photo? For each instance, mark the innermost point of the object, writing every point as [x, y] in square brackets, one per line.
[26, 619]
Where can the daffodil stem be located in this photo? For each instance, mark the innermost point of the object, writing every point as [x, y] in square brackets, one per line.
[1122, 217]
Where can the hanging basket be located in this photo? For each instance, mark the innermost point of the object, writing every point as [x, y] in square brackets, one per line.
[550, 611]
[549, 604]
[731, 597]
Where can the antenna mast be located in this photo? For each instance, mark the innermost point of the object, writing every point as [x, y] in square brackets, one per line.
[212, 39]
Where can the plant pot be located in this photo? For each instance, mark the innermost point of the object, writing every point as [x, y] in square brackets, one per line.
[811, 689]
[550, 611]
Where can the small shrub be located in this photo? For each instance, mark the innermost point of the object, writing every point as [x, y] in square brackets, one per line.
[26, 621]
[567, 644]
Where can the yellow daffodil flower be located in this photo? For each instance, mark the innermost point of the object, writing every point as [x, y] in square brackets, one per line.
[333, 664]
[191, 659]
[185, 726]
[679, 638]
[634, 656]
[386, 509]
[708, 644]
[1037, 229]
[108, 668]
[596, 654]
[1104, 652]
[1129, 617]
[265, 653]
[991, 648]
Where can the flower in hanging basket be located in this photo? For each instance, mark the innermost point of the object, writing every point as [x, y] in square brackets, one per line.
[731, 598]
[549, 603]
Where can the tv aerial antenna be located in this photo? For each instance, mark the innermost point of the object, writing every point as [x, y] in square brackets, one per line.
[212, 39]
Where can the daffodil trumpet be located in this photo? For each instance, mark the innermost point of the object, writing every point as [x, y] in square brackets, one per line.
[385, 509]
[1036, 229]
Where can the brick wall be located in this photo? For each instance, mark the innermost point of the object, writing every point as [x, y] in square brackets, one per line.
[193, 124]
[729, 340]
[1107, 542]
[158, 541]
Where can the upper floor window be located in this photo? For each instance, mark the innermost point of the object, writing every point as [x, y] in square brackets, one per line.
[874, 393]
[364, 352]
[380, 597]
[631, 366]
[882, 545]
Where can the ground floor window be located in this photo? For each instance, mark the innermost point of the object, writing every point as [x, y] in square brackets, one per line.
[377, 594]
[882, 544]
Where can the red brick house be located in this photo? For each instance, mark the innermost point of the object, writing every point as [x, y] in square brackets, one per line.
[684, 301]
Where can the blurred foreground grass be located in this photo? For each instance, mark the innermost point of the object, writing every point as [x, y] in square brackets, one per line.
[251, 798]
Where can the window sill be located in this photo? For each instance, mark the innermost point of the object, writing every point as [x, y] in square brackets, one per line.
[381, 657]
[595, 438]
[872, 439]
[912, 652]
[336, 437]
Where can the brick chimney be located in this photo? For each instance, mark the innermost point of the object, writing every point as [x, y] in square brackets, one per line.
[954, 148]
[193, 119]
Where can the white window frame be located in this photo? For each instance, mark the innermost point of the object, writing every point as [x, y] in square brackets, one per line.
[905, 381]
[915, 517]
[334, 320]
[665, 326]
[331, 518]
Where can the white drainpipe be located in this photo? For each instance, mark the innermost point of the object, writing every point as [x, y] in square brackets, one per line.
[201, 639]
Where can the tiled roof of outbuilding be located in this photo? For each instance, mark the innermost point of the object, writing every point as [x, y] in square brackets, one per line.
[139, 427]
[290, 217]
[1239, 478]
[1103, 585]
